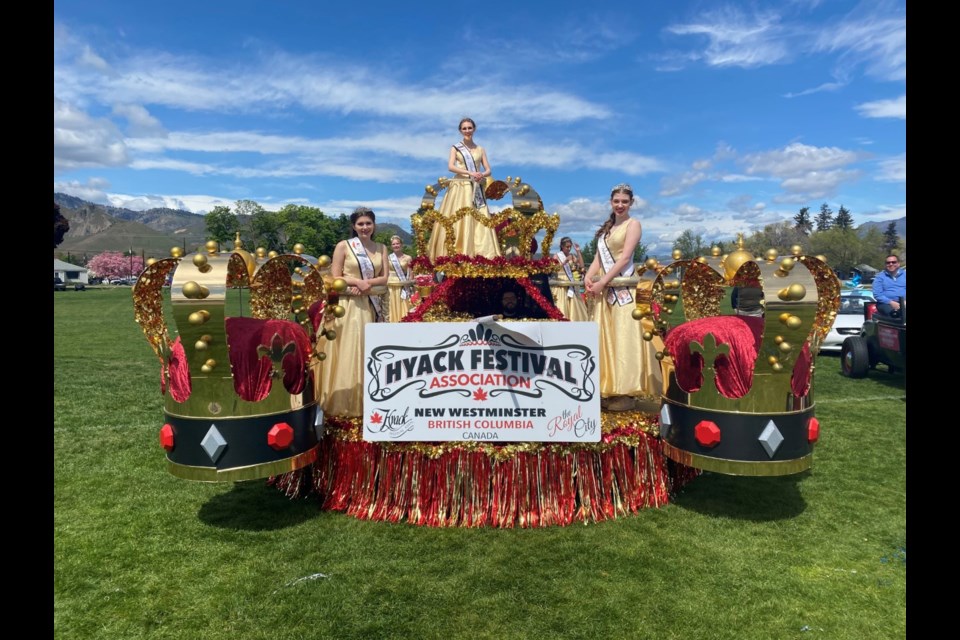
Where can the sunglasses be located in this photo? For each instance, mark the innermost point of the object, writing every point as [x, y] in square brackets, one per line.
[892, 262]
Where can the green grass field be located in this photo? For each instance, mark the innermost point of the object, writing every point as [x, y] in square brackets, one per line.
[141, 554]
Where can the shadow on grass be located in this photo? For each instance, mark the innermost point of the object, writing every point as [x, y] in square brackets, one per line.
[253, 506]
[744, 498]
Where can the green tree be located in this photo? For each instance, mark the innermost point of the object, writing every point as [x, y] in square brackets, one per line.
[690, 246]
[843, 220]
[589, 250]
[779, 235]
[264, 230]
[891, 239]
[803, 222]
[221, 224]
[843, 248]
[824, 219]
[60, 225]
[247, 208]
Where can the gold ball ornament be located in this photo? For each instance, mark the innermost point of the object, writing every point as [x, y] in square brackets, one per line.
[796, 249]
[211, 246]
[151, 261]
[773, 360]
[198, 317]
[176, 252]
[702, 260]
[784, 317]
[207, 338]
[796, 291]
[323, 262]
[339, 285]
[777, 366]
[651, 263]
[321, 355]
[785, 347]
[261, 252]
[331, 334]
[778, 339]
[715, 251]
[199, 260]
[677, 254]
[658, 355]
[272, 254]
[338, 311]
[648, 336]
[794, 322]
[201, 345]
[299, 248]
[783, 294]
[822, 258]
[194, 290]
[770, 255]
[735, 259]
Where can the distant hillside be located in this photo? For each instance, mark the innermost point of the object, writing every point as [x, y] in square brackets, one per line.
[95, 228]
[882, 226]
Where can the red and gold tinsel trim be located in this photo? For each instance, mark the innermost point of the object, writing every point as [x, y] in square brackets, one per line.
[474, 484]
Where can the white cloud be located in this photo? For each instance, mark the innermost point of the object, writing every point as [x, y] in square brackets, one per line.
[796, 159]
[893, 169]
[139, 121]
[82, 141]
[893, 108]
[736, 39]
[865, 38]
[93, 190]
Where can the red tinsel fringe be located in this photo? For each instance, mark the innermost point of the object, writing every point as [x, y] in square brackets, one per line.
[462, 488]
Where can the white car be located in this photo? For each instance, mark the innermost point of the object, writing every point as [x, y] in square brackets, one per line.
[850, 318]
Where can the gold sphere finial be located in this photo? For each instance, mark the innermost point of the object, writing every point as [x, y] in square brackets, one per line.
[299, 248]
[151, 261]
[176, 252]
[714, 251]
[199, 260]
[272, 255]
[339, 285]
[736, 259]
[211, 246]
[323, 262]
[796, 249]
[237, 242]
[771, 254]
[677, 254]
[261, 253]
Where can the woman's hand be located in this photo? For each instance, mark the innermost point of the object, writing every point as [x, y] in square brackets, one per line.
[362, 287]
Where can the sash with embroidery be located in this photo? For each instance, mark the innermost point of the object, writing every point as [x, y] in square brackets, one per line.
[367, 271]
[620, 295]
[478, 199]
[562, 259]
[398, 269]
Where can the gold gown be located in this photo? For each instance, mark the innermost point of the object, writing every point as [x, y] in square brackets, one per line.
[628, 363]
[571, 307]
[341, 383]
[473, 239]
[398, 306]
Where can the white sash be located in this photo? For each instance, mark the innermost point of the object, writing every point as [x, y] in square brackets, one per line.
[562, 258]
[620, 295]
[367, 271]
[470, 165]
[398, 269]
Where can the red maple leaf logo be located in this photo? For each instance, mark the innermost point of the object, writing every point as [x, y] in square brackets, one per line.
[479, 394]
[376, 418]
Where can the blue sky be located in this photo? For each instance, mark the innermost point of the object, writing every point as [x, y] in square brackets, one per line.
[723, 116]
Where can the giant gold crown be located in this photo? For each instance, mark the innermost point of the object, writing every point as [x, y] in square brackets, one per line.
[737, 336]
[238, 377]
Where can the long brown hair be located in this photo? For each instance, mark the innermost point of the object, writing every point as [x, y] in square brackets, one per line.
[608, 223]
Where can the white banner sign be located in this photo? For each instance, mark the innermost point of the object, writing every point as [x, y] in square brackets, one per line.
[491, 381]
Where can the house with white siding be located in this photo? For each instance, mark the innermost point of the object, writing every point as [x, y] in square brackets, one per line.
[70, 273]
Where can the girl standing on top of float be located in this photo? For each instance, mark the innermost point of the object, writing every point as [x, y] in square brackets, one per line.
[567, 297]
[629, 369]
[399, 271]
[360, 262]
[469, 164]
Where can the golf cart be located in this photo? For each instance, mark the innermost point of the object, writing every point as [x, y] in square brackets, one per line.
[882, 339]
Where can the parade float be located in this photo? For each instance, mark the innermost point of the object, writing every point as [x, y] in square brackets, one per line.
[471, 420]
